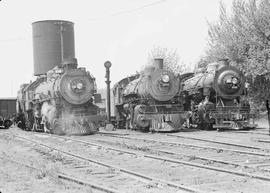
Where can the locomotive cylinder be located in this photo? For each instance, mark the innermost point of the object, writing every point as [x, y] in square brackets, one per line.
[48, 54]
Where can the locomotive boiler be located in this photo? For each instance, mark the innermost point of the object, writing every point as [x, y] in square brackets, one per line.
[118, 101]
[218, 97]
[151, 101]
[60, 100]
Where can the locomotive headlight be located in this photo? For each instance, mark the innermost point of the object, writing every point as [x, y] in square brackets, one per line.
[165, 78]
[234, 81]
[73, 86]
[79, 85]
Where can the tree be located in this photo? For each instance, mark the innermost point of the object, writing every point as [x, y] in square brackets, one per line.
[243, 37]
[170, 59]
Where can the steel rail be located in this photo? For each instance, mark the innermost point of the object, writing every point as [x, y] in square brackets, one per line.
[178, 161]
[190, 156]
[251, 132]
[110, 133]
[263, 141]
[218, 142]
[161, 151]
[68, 178]
[192, 145]
[123, 170]
[162, 158]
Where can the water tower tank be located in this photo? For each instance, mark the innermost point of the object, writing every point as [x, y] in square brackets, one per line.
[53, 41]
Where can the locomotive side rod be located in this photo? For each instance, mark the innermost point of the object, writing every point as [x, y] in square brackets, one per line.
[120, 169]
[68, 178]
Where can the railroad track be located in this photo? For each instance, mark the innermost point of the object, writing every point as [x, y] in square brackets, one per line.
[65, 177]
[251, 132]
[243, 174]
[248, 161]
[149, 156]
[197, 146]
[135, 175]
[263, 141]
[178, 161]
[207, 140]
[231, 144]
[219, 142]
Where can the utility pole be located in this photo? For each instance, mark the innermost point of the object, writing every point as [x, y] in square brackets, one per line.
[107, 65]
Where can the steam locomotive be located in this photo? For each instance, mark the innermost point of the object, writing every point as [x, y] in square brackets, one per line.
[150, 100]
[217, 98]
[60, 100]
[156, 99]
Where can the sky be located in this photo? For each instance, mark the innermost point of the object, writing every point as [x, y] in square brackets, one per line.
[121, 31]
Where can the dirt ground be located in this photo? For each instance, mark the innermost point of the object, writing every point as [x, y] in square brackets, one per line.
[15, 177]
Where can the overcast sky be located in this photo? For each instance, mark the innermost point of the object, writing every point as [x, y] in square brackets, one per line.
[122, 31]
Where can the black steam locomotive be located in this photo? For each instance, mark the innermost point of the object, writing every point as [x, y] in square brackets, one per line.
[217, 98]
[150, 100]
[158, 100]
[60, 100]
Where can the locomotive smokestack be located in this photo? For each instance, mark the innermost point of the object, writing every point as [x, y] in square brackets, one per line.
[158, 63]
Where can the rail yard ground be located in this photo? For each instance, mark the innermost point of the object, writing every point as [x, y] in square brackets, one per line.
[129, 161]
